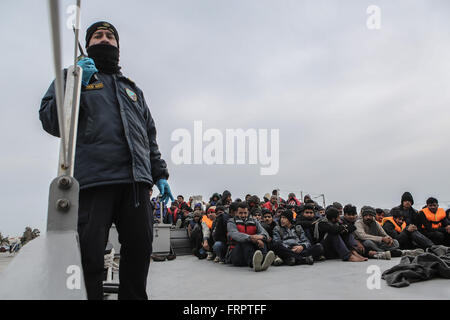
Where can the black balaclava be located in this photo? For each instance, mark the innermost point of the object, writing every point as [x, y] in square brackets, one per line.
[106, 58]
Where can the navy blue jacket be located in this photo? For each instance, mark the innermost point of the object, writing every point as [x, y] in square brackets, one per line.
[116, 141]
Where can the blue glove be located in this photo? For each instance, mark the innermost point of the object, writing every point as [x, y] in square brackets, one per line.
[164, 189]
[88, 66]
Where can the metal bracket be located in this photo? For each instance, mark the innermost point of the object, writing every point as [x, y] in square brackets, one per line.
[63, 204]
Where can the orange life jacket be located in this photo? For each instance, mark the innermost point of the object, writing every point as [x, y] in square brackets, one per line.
[208, 221]
[397, 227]
[434, 218]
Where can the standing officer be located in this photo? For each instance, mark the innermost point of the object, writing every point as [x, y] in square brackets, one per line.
[117, 161]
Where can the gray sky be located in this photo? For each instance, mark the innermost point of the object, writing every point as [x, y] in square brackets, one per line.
[363, 114]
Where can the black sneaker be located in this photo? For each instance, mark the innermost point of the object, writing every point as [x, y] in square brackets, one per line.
[306, 260]
[309, 260]
[291, 261]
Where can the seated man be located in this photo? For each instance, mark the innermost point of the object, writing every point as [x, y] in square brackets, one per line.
[340, 208]
[407, 236]
[219, 233]
[268, 223]
[248, 241]
[306, 221]
[195, 235]
[207, 223]
[256, 214]
[291, 244]
[433, 223]
[186, 215]
[277, 215]
[379, 215]
[330, 233]
[349, 219]
[373, 236]
[272, 205]
[173, 214]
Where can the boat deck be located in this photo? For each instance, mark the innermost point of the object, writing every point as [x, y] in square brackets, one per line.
[189, 278]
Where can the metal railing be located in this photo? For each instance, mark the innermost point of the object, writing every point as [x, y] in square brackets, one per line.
[49, 267]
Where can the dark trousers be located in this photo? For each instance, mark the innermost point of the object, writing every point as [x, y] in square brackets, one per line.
[99, 208]
[310, 235]
[438, 237]
[196, 238]
[316, 250]
[242, 254]
[335, 247]
[412, 240]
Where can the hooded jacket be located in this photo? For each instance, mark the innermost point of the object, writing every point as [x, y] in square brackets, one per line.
[410, 214]
[219, 229]
[290, 237]
[222, 201]
[116, 140]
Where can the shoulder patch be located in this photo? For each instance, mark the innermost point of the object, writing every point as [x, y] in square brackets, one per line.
[131, 94]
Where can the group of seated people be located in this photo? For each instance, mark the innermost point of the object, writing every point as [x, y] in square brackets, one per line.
[275, 231]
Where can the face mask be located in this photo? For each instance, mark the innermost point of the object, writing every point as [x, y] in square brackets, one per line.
[106, 58]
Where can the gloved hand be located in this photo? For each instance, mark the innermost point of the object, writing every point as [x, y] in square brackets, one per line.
[164, 189]
[88, 66]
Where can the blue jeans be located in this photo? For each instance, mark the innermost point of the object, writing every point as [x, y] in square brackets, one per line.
[219, 249]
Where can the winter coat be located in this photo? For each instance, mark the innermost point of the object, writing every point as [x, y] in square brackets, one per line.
[290, 237]
[116, 139]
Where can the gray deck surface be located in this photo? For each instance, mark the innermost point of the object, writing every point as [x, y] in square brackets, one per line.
[188, 278]
[5, 259]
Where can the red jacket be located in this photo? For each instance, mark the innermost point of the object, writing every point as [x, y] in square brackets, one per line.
[269, 206]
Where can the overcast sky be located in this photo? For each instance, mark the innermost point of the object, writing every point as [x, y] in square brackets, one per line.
[363, 114]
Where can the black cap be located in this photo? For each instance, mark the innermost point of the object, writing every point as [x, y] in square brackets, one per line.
[101, 25]
[288, 215]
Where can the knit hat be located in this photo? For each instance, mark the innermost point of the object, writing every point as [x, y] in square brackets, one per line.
[337, 205]
[211, 209]
[407, 197]
[288, 215]
[368, 210]
[101, 25]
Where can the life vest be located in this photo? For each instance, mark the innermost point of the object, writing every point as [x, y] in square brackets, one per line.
[294, 201]
[268, 205]
[174, 214]
[247, 227]
[208, 221]
[397, 227]
[434, 218]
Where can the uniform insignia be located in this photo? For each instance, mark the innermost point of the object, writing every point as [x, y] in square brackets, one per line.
[131, 94]
[95, 86]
